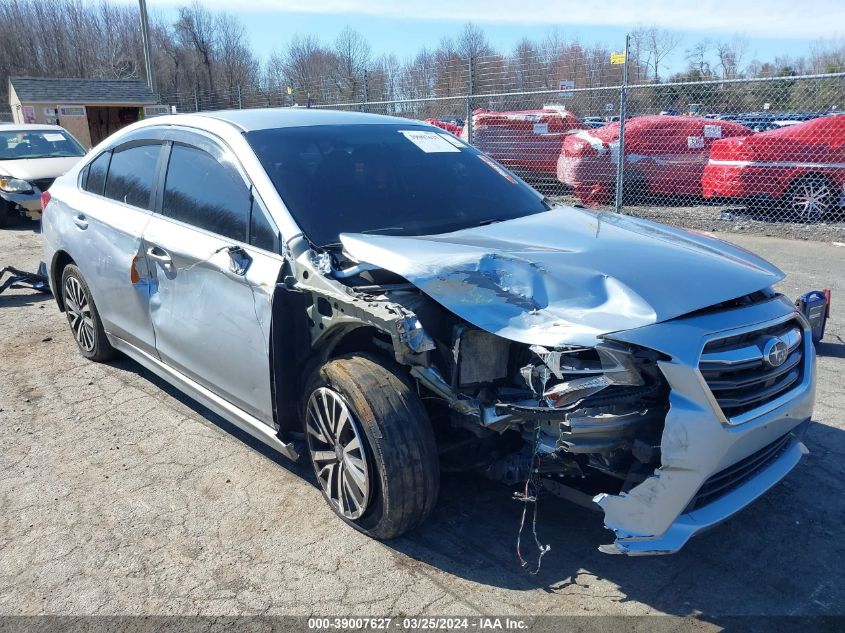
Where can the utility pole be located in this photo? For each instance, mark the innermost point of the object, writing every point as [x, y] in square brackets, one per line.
[623, 102]
[145, 40]
[468, 115]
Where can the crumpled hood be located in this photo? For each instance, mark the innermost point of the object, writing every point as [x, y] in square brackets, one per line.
[38, 168]
[568, 276]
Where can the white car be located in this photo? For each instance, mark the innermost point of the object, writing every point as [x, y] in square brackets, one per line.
[31, 158]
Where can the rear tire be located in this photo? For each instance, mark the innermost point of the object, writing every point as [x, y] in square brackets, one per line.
[82, 315]
[371, 445]
[811, 199]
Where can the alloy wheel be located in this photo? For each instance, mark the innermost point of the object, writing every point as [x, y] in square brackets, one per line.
[78, 308]
[337, 452]
[812, 200]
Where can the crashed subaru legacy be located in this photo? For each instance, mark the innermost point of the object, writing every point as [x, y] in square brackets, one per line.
[376, 294]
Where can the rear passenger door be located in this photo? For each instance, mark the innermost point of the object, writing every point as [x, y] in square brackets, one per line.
[109, 217]
[216, 259]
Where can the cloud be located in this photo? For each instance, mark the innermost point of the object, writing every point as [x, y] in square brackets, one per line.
[761, 18]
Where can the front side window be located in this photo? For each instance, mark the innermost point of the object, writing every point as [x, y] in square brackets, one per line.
[131, 174]
[201, 191]
[390, 179]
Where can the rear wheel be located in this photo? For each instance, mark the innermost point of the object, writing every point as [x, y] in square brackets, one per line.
[371, 445]
[83, 317]
[811, 199]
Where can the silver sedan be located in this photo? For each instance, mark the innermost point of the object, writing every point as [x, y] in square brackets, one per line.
[379, 295]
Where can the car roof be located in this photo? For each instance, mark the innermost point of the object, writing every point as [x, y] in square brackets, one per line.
[269, 118]
[22, 127]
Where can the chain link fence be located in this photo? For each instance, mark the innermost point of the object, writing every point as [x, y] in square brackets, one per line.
[764, 155]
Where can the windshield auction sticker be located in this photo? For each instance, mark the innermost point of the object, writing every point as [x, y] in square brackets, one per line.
[429, 142]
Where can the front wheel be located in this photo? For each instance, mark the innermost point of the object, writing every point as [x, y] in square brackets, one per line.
[372, 446]
[83, 317]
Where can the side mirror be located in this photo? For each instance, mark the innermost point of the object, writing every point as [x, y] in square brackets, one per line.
[239, 260]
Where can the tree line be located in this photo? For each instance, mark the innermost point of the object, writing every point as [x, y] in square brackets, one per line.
[204, 58]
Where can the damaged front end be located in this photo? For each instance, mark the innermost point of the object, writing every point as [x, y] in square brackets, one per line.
[578, 410]
[525, 380]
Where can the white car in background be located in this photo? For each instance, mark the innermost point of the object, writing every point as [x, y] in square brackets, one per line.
[31, 158]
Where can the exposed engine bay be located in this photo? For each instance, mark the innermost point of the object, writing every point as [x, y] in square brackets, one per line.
[582, 382]
[578, 418]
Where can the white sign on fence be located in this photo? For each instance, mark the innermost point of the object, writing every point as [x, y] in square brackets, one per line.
[566, 86]
[609, 107]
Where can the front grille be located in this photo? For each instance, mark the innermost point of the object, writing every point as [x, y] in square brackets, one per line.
[734, 476]
[43, 184]
[739, 377]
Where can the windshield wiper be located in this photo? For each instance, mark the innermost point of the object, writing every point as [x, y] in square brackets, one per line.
[490, 221]
[381, 230]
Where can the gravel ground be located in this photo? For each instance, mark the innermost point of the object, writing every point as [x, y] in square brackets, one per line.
[121, 496]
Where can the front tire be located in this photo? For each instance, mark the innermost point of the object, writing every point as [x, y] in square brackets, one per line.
[82, 315]
[371, 445]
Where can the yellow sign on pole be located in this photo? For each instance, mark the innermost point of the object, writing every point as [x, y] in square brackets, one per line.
[617, 58]
[290, 90]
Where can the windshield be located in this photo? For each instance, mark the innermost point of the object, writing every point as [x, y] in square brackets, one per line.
[387, 179]
[20, 144]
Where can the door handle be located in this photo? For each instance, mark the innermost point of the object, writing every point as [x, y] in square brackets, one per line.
[160, 255]
[80, 221]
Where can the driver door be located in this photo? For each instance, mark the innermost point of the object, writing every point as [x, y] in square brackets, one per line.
[215, 256]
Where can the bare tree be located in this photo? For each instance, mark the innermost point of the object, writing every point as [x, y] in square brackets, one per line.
[698, 57]
[352, 53]
[730, 54]
[238, 65]
[305, 66]
[197, 28]
[641, 51]
[659, 43]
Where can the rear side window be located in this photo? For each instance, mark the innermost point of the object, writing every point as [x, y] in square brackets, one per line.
[95, 174]
[131, 174]
[201, 191]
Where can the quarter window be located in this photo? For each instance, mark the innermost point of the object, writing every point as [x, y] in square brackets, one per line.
[131, 174]
[95, 174]
[262, 230]
[206, 193]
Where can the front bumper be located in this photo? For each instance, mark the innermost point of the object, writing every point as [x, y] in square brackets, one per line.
[30, 203]
[699, 441]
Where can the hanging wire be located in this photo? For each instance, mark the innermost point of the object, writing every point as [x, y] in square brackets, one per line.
[530, 495]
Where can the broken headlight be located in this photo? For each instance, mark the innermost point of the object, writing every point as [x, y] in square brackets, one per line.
[565, 377]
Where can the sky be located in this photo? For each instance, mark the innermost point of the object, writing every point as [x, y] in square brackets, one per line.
[772, 27]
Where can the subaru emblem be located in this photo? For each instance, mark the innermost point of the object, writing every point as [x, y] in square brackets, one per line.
[775, 352]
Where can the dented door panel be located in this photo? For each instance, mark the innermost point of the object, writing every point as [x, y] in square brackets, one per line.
[211, 323]
[109, 251]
